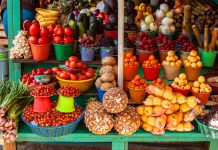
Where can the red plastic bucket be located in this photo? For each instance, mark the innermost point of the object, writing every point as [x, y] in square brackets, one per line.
[130, 72]
[151, 73]
[42, 104]
[144, 55]
[203, 97]
[183, 92]
[40, 52]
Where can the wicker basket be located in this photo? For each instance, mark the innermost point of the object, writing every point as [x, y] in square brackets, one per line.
[54, 131]
[207, 131]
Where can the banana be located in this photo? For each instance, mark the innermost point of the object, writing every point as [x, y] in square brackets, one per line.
[48, 19]
[46, 23]
[47, 13]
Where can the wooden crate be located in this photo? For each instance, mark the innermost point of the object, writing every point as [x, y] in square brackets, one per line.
[3, 37]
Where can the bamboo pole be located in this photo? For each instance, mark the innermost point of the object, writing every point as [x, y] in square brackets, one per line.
[120, 42]
[206, 37]
[187, 20]
[214, 38]
[197, 35]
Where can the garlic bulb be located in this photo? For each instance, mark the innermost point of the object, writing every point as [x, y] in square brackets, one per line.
[144, 27]
[164, 7]
[167, 21]
[153, 26]
[160, 14]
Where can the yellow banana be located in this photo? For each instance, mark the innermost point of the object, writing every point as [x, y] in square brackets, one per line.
[46, 23]
[47, 19]
[47, 13]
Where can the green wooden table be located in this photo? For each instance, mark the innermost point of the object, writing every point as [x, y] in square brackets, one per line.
[119, 142]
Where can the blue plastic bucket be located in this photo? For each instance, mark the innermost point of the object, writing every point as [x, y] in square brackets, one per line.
[106, 51]
[100, 94]
[87, 54]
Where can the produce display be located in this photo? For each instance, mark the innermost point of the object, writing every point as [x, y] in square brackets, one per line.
[188, 47]
[147, 44]
[181, 82]
[62, 35]
[137, 83]
[193, 60]
[43, 90]
[167, 45]
[68, 91]
[172, 60]
[87, 41]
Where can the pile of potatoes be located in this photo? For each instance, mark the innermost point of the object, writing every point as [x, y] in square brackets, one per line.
[172, 60]
[193, 60]
[181, 82]
[200, 86]
[108, 73]
[159, 114]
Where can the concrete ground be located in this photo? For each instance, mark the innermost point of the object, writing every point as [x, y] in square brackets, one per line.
[107, 146]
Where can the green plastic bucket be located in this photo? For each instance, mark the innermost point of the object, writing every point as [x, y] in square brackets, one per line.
[208, 58]
[200, 50]
[4, 64]
[63, 51]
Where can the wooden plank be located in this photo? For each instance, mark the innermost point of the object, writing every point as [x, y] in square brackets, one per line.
[9, 146]
[3, 41]
[2, 34]
[1, 26]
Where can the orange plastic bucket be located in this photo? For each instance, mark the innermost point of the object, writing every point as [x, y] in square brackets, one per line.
[40, 52]
[137, 95]
[203, 97]
[192, 73]
[130, 72]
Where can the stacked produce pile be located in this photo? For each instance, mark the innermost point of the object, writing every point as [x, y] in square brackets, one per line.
[114, 112]
[14, 97]
[108, 73]
[165, 110]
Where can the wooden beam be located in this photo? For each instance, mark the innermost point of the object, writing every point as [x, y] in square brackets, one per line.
[120, 41]
[9, 146]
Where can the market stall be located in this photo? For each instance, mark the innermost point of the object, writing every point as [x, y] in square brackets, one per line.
[153, 72]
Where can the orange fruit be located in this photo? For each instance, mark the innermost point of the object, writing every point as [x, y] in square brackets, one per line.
[137, 77]
[151, 57]
[126, 65]
[131, 59]
[131, 64]
[136, 63]
[134, 58]
[137, 83]
[126, 60]
[129, 55]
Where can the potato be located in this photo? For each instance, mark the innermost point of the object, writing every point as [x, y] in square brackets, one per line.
[98, 82]
[107, 77]
[108, 61]
[106, 69]
[116, 69]
[106, 86]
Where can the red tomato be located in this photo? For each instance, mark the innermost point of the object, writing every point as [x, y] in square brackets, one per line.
[68, 31]
[50, 36]
[79, 64]
[34, 72]
[48, 72]
[26, 25]
[68, 40]
[55, 69]
[73, 65]
[59, 73]
[58, 30]
[73, 58]
[67, 63]
[88, 75]
[58, 40]
[65, 76]
[83, 71]
[51, 27]
[84, 66]
[40, 71]
[34, 28]
[91, 70]
[82, 77]
[73, 77]
[44, 32]
[33, 39]
[43, 40]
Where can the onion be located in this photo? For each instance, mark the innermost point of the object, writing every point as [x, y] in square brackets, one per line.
[96, 12]
[3, 121]
[76, 12]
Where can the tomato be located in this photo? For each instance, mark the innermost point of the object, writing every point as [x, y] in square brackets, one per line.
[83, 71]
[34, 28]
[44, 32]
[82, 77]
[40, 71]
[58, 30]
[58, 73]
[84, 66]
[68, 31]
[26, 25]
[91, 70]
[34, 72]
[51, 28]
[58, 40]
[68, 40]
[55, 69]
[67, 63]
[48, 72]
[50, 36]
[33, 39]
[73, 58]
[88, 75]
[73, 77]
[43, 40]
[73, 65]
[64, 75]
[79, 64]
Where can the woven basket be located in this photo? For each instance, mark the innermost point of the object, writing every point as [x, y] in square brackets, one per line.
[54, 131]
[207, 131]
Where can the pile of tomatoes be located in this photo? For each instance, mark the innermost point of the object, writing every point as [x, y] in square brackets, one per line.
[77, 70]
[68, 91]
[29, 78]
[61, 35]
[137, 83]
[38, 35]
[51, 118]
[130, 60]
[43, 90]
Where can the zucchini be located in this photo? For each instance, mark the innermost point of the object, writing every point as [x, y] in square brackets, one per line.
[81, 29]
[80, 17]
[70, 17]
[100, 26]
[92, 29]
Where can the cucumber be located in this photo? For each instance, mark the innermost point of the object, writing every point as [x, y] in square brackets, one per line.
[80, 17]
[70, 17]
[92, 19]
[81, 29]
[85, 21]
[92, 29]
[100, 26]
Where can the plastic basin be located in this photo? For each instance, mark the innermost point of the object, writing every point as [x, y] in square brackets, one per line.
[63, 51]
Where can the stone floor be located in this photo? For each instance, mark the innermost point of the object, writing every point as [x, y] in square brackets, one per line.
[107, 146]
